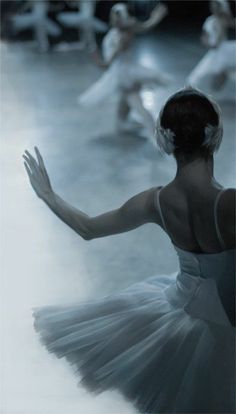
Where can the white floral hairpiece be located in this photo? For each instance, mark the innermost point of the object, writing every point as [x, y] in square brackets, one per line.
[214, 134]
[165, 137]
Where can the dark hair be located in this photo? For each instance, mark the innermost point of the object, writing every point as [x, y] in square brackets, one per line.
[186, 114]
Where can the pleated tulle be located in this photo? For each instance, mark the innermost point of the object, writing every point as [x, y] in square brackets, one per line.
[151, 350]
[215, 61]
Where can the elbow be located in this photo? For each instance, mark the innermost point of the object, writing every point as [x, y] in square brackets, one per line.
[87, 234]
[87, 237]
[85, 229]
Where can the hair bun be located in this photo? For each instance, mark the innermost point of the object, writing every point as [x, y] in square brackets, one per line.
[188, 122]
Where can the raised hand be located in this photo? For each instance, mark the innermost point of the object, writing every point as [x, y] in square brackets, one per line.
[160, 11]
[37, 174]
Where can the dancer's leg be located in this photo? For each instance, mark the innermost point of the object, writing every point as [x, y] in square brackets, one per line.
[124, 122]
[90, 40]
[135, 102]
[40, 9]
[123, 110]
[87, 34]
[41, 37]
[123, 107]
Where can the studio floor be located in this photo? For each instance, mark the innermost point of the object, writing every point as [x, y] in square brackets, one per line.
[92, 167]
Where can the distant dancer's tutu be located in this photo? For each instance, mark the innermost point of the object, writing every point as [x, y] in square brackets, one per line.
[219, 63]
[124, 78]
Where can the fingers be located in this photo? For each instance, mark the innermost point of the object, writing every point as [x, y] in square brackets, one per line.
[39, 156]
[36, 171]
[27, 161]
[28, 170]
[29, 173]
[31, 164]
[41, 164]
[30, 160]
[40, 160]
[33, 160]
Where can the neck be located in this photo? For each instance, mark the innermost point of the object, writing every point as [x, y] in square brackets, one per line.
[197, 170]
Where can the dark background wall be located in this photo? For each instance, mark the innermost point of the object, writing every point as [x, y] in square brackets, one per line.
[182, 14]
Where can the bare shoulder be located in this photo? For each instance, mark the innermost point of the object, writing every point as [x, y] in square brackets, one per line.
[227, 204]
[226, 216]
[153, 203]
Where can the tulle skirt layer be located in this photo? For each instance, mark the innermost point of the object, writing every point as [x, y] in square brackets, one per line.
[148, 348]
[216, 61]
[122, 76]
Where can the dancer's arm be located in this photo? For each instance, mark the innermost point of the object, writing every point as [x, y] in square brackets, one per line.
[137, 211]
[156, 17]
[98, 59]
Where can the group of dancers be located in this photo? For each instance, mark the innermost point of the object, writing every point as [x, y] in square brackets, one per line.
[123, 77]
[168, 343]
[34, 15]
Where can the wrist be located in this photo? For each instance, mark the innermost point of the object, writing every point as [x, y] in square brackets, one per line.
[48, 197]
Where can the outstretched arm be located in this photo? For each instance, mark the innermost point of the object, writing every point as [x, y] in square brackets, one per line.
[156, 17]
[137, 211]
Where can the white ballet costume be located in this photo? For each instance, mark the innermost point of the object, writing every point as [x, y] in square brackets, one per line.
[38, 20]
[167, 343]
[122, 74]
[219, 59]
[86, 22]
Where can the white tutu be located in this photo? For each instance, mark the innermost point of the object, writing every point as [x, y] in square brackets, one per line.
[165, 343]
[123, 73]
[216, 61]
[121, 76]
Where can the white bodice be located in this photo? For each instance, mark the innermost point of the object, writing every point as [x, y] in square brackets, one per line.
[206, 265]
[205, 286]
[112, 43]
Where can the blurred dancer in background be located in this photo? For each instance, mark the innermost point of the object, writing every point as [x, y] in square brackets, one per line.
[85, 22]
[123, 76]
[220, 61]
[37, 19]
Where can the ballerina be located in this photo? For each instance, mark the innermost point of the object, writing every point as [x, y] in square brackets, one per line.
[123, 77]
[39, 21]
[218, 65]
[167, 343]
[86, 23]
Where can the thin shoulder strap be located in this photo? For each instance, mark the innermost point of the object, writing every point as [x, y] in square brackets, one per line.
[158, 206]
[220, 239]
